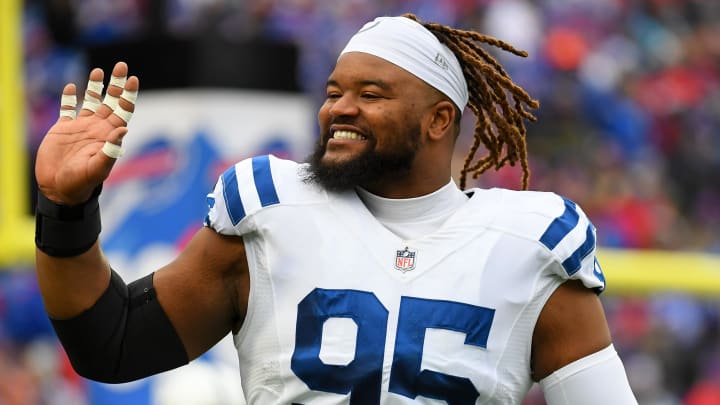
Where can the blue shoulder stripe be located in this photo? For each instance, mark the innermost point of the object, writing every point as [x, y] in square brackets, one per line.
[264, 185]
[572, 263]
[231, 193]
[560, 226]
[264, 181]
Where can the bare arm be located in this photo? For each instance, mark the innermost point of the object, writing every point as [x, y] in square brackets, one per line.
[571, 326]
[573, 358]
[203, 292]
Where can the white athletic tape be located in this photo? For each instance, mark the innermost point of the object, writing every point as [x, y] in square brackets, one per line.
[111, 101]
[95, 86]
[130, 96]
[68, 113]
[112, 150]
[68, 100]
[124, 114]
[118, 81]
[91, 103]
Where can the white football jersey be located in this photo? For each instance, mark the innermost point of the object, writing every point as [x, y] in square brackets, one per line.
[343, 311]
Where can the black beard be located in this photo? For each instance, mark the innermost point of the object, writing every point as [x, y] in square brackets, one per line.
[368, 168]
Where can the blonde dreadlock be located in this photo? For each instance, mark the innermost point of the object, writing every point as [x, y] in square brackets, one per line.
[497, 102]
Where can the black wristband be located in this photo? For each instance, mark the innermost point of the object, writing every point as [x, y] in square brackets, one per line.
[64, 230]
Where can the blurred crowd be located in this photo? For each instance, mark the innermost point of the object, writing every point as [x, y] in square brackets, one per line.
[628, 127]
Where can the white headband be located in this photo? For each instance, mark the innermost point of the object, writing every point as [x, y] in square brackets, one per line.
[409, 45]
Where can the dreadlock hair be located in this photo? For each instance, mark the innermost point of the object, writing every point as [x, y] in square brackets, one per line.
[497, 102]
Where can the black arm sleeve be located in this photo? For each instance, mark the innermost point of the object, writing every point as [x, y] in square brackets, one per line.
[125, 336]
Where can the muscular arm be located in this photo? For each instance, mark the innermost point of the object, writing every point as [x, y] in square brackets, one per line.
[573, 358]
[113, 331]
[571, 326]
[71, 285]
[203, 291]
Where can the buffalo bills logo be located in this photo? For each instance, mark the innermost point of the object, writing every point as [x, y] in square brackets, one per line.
[154, 195]
[405, 259]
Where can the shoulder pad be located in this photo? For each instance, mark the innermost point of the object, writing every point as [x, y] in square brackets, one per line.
[252, 185]
[556, 222]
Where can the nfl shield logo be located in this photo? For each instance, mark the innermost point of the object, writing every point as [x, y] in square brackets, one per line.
[405, 259]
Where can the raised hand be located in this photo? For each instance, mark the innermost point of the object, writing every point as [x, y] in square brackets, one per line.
[78, 152]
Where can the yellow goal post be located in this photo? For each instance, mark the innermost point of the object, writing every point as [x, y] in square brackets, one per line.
[644, 272]
[16, 225]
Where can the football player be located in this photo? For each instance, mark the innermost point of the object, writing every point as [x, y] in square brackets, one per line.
[364, 276]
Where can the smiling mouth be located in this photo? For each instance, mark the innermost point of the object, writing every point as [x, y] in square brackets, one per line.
[348, 135]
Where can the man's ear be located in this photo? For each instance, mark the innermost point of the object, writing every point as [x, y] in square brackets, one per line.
[441, 120]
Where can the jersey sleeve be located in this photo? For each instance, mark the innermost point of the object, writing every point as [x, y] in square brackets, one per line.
[241, 191]
[570, 238]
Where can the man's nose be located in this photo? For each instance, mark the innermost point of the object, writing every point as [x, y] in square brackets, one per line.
[344, 105]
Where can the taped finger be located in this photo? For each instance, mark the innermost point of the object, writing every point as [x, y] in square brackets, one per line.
[129, 96]
[68, 100]
[118, 81]
[124, 114]
[110, 100]
[111, 150]
[96, 86]
[92, 102]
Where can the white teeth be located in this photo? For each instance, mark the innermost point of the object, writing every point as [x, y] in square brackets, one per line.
[347, 135]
